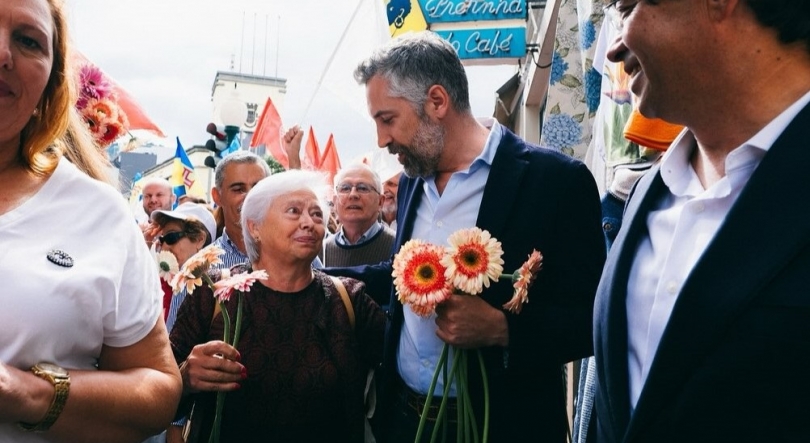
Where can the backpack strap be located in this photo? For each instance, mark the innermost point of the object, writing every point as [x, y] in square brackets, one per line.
[345, 297]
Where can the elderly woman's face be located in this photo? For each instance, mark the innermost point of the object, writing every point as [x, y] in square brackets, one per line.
[293, 226]
[26, 58]
[173, 238]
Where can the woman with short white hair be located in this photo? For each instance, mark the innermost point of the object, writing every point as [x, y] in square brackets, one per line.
[299, 370]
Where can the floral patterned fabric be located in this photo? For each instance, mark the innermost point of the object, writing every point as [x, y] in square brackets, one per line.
[574, 84]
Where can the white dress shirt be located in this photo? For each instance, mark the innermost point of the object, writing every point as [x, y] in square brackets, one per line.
[686, 220]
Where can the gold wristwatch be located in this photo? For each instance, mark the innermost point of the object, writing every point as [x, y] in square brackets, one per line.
[60, 379]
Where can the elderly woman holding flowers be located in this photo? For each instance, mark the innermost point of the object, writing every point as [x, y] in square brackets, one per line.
[298, 370]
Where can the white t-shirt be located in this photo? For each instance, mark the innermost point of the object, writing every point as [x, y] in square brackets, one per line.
[110, 296]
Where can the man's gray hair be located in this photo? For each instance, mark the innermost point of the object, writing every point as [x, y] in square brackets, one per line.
[238, 157]
[262, 196]
[412, 64]
[357, 166]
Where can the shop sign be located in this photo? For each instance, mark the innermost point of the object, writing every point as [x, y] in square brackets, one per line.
[451, 11]
[482, 43]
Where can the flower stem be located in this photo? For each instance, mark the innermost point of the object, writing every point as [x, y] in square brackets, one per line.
[509, 277]
[439, 364]
[471, 426]
[238, 327]
[226, 319]
[448, 382]
[486, 394]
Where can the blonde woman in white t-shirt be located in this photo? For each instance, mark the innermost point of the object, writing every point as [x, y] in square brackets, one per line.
[85, 354]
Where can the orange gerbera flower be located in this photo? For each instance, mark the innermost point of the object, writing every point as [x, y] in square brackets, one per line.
[473, 260]
[522, 280]
[419, 276]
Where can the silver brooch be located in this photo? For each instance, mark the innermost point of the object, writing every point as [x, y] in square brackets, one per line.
[61, 258]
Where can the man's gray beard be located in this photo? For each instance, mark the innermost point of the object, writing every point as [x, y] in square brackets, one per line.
[390, 208]
[422, 159]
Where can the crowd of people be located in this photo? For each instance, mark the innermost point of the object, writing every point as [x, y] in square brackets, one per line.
[697, 322]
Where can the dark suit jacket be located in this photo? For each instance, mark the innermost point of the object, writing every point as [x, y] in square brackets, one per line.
[734, 359]
[534, 198]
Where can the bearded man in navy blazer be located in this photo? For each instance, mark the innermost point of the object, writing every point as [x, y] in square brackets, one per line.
[702, 319]
[459, 174]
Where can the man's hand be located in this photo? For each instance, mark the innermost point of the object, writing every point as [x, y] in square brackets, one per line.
[291, 142]
[150, 231]
[467, 321]
[212, 366]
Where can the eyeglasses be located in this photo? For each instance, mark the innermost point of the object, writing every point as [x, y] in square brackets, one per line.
[362, 188]
[171, 238]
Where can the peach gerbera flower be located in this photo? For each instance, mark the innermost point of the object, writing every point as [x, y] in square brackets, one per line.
[237, 282]
[522, 280]
[194, 269]
[473, 260]
[419, 276]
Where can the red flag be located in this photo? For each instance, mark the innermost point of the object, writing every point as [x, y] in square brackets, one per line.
[312, 153]
[135, 114]
[330, 162]
[268, 133]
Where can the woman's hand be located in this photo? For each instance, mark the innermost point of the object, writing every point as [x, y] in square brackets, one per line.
[23, 396]
[212, 366]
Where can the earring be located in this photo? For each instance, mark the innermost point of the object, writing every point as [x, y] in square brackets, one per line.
[36, 112]
[257, 240]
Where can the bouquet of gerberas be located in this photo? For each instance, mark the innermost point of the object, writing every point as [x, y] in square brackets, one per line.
[195, 272]
[426, 275]
[98, 106]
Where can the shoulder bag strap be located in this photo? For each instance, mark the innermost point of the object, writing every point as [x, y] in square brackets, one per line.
[345, 297]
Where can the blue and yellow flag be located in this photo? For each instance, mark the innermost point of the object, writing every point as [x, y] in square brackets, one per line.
[183, 180]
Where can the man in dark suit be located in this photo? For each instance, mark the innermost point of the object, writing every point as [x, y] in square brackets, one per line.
[459, 174]
[702, 319]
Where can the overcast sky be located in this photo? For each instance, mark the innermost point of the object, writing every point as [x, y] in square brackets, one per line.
[167, 52]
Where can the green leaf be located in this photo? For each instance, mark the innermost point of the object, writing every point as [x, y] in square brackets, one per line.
[579, 117]
[570, 81]
[555, 109]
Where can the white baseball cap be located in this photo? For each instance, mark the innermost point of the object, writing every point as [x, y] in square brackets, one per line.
[192, 211]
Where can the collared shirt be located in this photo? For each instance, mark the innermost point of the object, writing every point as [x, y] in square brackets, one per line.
[686, 220]
[368, 235]
[437, 217]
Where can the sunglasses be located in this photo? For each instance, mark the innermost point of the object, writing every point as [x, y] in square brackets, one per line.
[171, 238]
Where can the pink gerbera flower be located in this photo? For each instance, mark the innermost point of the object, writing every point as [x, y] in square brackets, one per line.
[473, 260]
[238, 282]
[93, 84]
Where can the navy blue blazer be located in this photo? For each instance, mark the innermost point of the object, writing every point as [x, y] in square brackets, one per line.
[534, 198]
[734, 359]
